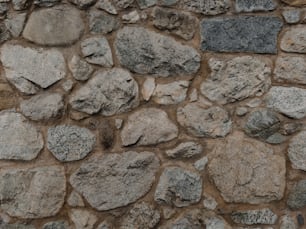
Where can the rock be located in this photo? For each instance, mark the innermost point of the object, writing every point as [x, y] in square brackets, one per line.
[83, 4]
[118, 123]
[206, 7]
[293, 39]
[46, 3]
[146, 52]
[15, 22]
[168, 2]
[32, 193]
[236, 79]
[201, 121]
[253, 6]
[185, 150]
[96, 50]
[295, 2]
[17, 226]
[104, 225]
[83, 219]
[256, 102]
[53, 26]
[276, 138]
[292, 16]
[80, 69]
[143, 4]
[179, 23]
[290, 101]
[241, 111]
[242, 170]
[148, 88]
[4, 31]
[132, 17]
[70, 143]
[68, 85]
[75, 200]
[193, 97]
[297, 151]
[179, 187]
[106, 5]
[26, 67]
[21, 4]
[109, 92]
[250, 217]
[287, 222]
[241, 34]
[56, 225]
[7, 96]
[209, 202]
[123, 3]
[201, 164]
[131, 174]
[101, 22]
[290, 128]
[43, 106]
[142, 216]
[148, 126]
[19, 139]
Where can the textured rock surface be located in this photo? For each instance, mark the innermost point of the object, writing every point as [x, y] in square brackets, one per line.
[56, 225]
[287, 222]
[131, 174]
[250, 217]
[297, 151]
[185, 150]
[79, 68]
[292, 16]
[293, 40]
[83, 219]
[295, 2]
[101, 22]
[297, 196]
[251, 5]
[206, 7]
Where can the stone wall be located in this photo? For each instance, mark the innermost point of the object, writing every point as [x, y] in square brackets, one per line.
[138, 114]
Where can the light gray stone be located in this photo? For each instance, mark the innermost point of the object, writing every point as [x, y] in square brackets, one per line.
[143, 4]
[21, 4]
[83, 4]
[287, 222]
[56, 225]
[297, 151]
[32, 193]
[15, 23]
[43, 106]
[185, 150]
[148, 88]
[148, 126]
[201, 164]
[206, 7]
[250, 217]
[101, 22]
[46, 3]
[253, 6]
[130, 174]
[79, 68]
[292, 16]
[241, 111]
[26, 67]
[19, 139]
[109, 92]
[179, 187]
[202, 121]
[104, 225]
[75, 200]
[146, 52]
[209, 202]
[59, 25]
[68, 85]
[290, 101]
[83, 219]
[106, 5]
[96, 50]
[131, 17]
[236, 79]
[17, 226]
[293, 39]
[70, 143]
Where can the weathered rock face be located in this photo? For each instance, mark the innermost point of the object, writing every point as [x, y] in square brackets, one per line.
[101, 22]
[146, 52]
[131, 174]
[32, 193]
[79, 68]
[293, 40]
[236, 79]
[56, 225]
[295, 2]
[206, 7]
[26, 68]
[185, 150]
[19, 140]
[148, 127]
[242, 169]
[59, 25]
[83, 219]
[108, 92]
[297, 196]
[250, 217]
[297, 151]
[251, 6]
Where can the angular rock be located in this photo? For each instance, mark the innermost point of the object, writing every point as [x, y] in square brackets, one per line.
[185, 150]
[75, 200]
[70, 143]
[96, 50]
[287, 222]
[59, 25]
[148, 88]
[123, 3]
[26, 67]
[80, 69]
[179, 187]
[14, 23]
[295, 2]
[293, 39]
[242, 169]
[146, 52]
[253, 6]
[43, 106]
[148, 126]
[131, 17]
[171, 93]
[7, 96]
[109, 92]
[241, 34]
[19, 139]
[292, 16]
[32, 193]
[290, 101]
[131, 174]
[106, 5]
[250, 217]
[297, 151]
[56, 225]
[101, 22]
[206, 7]
[83, 4]
[179, 23]
[236, 79]
[201, 121]
[83, 219]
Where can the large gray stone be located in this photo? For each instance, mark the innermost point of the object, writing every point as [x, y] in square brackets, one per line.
[109, 92]
[102, 22]
[26, 67]
[206, 7]
[70, 143]
[15, 23]
[115, 180]
[250, 217]
[179, 187]
[148, 126]
[297, 151]
[236, 79]
[19, 139]
[297, 196]
[241, 34]
[293, 39]
[146, 52]
[32, 193]
[59, 25]
[252, 6]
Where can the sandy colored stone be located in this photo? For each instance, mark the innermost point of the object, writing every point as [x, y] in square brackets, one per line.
[295, 2]
[293, 40]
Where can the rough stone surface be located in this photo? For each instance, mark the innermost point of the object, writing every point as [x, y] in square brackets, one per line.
[19, 139]
[185, 150]
[201, 121]
[70, 143]
[131, 174]
[201, 163]
[252, 6]
[287, 222]
[106, 5]
[241, 34]
[297, 151]
[148, 88]
[179, 187]
[131, 18]
[83, 4]
[247, 171]
[236, 79]
[59, 25]
[250, 217]
[295, 2]
[26, 67]
[144, 51]
[17, 226]
[206, 7]
[293, 40]
[32, 193]
[143, 4]
[292, 16]
[56, 225]
[101, 22]
[79, 68]
[108, 92]
[148, 127]
[123, 3]
[83, 219]
[209, 202]
[14, 23]
[75, 200]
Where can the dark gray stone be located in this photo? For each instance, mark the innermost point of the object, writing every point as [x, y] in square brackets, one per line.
[250, 217]
[206, 7]
[101, 22]
[255, 5]
[257, 34]
[297, 196]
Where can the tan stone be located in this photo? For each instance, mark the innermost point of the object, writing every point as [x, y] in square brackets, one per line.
[295, 2]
